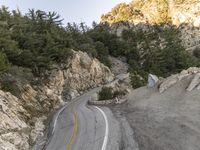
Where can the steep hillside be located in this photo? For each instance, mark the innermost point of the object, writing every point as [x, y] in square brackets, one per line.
[42, 67]
[183, 14]
[38, 40]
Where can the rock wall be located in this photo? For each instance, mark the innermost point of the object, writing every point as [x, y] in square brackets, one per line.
[84, 72]
[13, 128]
[23, 116]
[155, 12]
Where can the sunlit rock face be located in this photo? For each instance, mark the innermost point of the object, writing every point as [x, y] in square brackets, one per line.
[185, 15]
[23, 116]
[155, 12]
[185, 12]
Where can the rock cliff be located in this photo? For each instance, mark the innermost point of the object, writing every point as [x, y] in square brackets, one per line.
[23, 113]
[155, 12]
[144, 13]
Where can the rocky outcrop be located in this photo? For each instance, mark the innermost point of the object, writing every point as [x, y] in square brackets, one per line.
[83, 73]
[118, 65]
[13, 128]
[185, 12]
[170, 81]
[155, 12]
[185, 15]
[23, 115]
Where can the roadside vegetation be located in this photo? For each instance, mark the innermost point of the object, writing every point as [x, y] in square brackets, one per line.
[196, 53]
[107, 93]
[39, 39]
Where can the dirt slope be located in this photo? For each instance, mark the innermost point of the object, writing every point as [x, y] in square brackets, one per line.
[166, 121]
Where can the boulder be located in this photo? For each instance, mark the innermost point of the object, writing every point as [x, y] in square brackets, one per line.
[152, 80]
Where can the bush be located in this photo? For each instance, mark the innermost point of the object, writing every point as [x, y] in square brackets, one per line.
[136, 80]
[119, 93]
[105, 93]
[196, 53]
[3, 62]
[10, 86]
[15, 79]
[102, 53]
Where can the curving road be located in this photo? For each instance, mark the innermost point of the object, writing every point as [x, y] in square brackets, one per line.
[78, 126]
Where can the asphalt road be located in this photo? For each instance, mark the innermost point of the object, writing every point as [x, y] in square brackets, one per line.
[78, 126]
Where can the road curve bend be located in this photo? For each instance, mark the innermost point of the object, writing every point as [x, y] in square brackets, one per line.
[77, 126]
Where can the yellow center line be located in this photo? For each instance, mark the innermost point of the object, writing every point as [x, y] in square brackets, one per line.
[74, 133]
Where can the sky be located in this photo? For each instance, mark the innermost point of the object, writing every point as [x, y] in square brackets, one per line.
[70, 10]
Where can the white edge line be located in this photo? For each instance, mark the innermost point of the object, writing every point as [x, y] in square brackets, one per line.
[105, 141]
[55, 121]
[58, 113]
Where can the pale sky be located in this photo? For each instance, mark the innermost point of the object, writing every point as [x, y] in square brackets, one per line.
[71, 10]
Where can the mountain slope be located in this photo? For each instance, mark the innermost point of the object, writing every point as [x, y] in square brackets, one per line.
[184, 15]
[155, 12]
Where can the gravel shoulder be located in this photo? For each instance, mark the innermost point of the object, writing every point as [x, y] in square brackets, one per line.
[167, 121]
